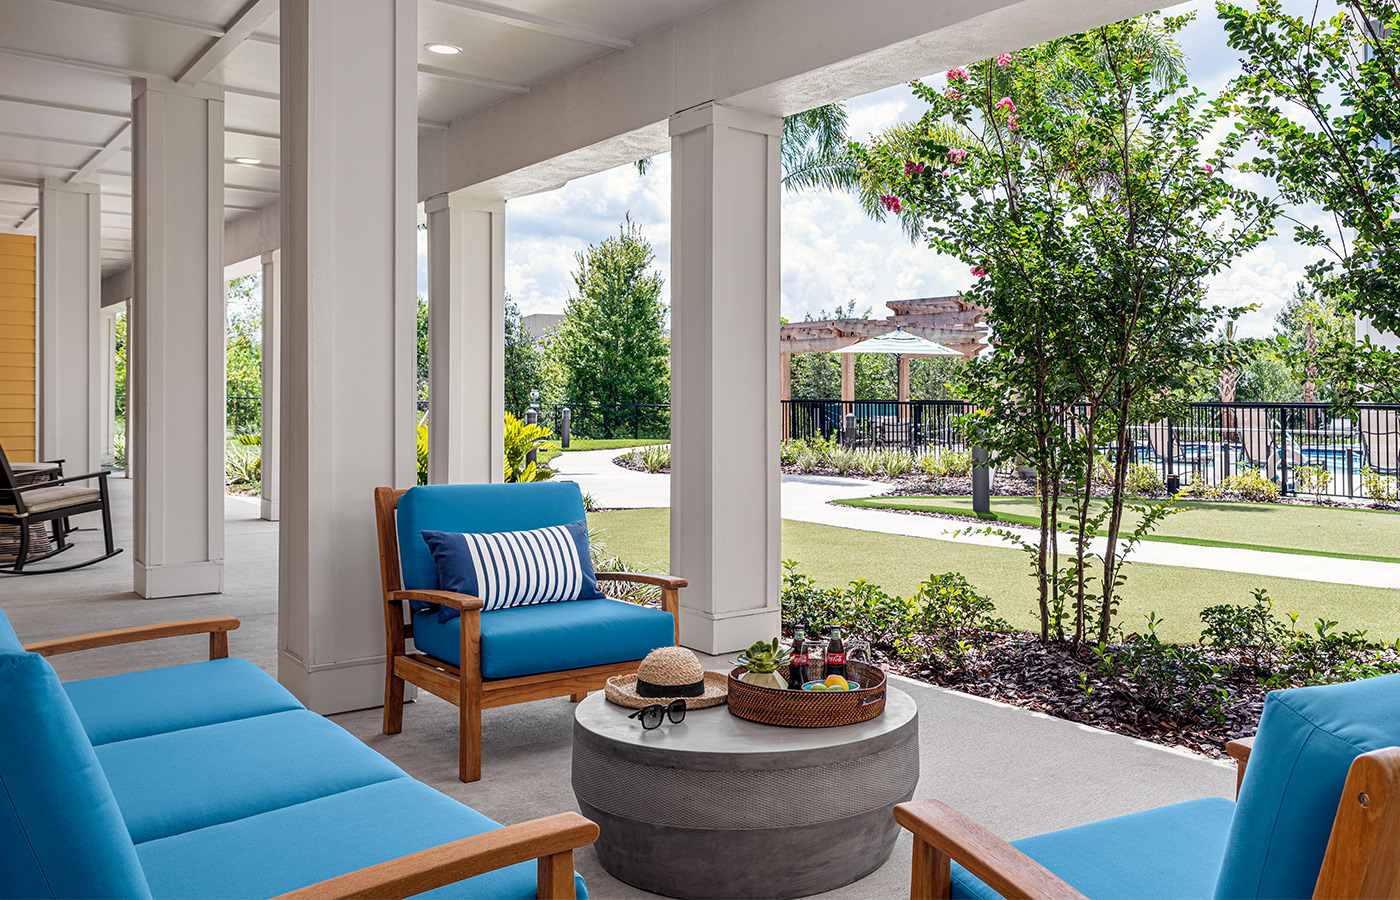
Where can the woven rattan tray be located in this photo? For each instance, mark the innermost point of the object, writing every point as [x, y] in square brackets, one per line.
[810, 709]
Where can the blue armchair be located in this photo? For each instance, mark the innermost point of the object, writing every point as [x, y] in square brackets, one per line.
[480, 658]
[1318, 815]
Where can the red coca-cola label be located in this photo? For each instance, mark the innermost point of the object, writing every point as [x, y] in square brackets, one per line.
[800, 659]
[836, 659]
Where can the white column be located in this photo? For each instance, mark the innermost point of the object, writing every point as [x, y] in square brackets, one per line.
[271, 380]
[725, 518]
[177, 338]
[107, 378]
[70, 301]
[349, 253]
[466, 328]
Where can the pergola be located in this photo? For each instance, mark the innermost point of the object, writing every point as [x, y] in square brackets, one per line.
[145, 145]
[951, 321]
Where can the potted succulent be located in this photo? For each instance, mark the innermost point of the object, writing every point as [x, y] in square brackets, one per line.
[762, 661]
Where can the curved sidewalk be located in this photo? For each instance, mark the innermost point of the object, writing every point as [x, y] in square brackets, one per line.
[807, 498]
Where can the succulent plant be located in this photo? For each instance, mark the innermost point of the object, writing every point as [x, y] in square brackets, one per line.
[763, 657]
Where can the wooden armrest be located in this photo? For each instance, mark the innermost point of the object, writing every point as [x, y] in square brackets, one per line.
[541, 839]
[669, 582]
[217, 627]
[462, 602]
[1240, 750]
[942, 833]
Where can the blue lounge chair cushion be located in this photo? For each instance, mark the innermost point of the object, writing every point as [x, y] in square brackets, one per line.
[139, 704]
[1168, 853]
[515, 568]
[180, 781]
[291, 847]
[1307, 740]
[61, 832]
[528, 640]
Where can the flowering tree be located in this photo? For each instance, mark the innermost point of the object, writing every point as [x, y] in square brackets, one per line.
[1088, 208]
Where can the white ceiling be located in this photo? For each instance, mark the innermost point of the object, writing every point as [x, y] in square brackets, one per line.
[66, 69]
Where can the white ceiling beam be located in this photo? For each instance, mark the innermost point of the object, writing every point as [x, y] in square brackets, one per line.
[91, 145]
[23, 204]
[14, 160]
[115, 144]
[20, 182]
[77, 63]
[248, 132]
[430, 123]
[475, 80]
[174, 21]
[71, 107]
[255, 190]
[243, 25]
[534, 23]
[257, 165]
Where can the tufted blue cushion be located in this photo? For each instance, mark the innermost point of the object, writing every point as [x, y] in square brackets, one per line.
[61, 833]
[154, 701]
[320, 839]
[476, 509]
[1168, 853]
[169, 783]
[528, 640]
[1307, 740]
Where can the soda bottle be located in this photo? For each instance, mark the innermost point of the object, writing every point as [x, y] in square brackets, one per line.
[836, 654]
[797, 667]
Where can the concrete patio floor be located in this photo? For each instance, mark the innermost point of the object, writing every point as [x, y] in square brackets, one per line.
[1018, 772]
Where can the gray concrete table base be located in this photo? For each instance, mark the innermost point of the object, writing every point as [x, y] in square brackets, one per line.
[721, 807]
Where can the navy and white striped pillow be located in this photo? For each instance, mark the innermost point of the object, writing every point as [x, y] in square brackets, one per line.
[515, 568]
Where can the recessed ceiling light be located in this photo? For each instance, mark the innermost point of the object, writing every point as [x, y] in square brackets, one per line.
[247, 160]
[444, 49]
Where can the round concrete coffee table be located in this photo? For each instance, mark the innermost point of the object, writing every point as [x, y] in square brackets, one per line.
[718, 806]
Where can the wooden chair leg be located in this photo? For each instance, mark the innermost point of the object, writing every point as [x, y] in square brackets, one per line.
[393, 699]
[469, 696]
[556, 877]
[932, 876]
[578, 698]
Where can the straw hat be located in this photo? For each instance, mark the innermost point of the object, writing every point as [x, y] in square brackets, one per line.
[668, 673]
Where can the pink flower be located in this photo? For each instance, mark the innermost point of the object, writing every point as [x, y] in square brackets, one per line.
[1004, 60]
[952, 93]
[891, 202]
[958, 154]
[1012, 121]
[979, 272]
[913, 168]
[1208, 168]
[957, 73]
[1007, 104]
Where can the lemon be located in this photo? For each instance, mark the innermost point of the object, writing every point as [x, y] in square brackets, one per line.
[836, 681]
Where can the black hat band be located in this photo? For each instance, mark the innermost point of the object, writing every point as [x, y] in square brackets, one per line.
[651, 689]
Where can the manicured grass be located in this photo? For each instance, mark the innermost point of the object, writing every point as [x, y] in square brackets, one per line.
[598, 444]
[836, 556]
[1310, 530]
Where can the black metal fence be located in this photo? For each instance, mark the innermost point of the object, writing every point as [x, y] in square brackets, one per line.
[1303, 448]
[639, 421]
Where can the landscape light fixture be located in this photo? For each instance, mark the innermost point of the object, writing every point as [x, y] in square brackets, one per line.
[443, 49]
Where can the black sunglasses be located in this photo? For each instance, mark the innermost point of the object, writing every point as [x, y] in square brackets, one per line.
[652, 715]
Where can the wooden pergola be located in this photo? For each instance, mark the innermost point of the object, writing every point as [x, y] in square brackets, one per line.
[951, 321]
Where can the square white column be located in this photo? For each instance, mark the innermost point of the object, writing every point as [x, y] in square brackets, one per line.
[70, 300]
[176, 332]
[271, 405]
[466, 334]
[725, 517]
[349, 254]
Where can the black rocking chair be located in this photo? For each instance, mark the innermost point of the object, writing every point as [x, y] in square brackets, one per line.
[23, 506]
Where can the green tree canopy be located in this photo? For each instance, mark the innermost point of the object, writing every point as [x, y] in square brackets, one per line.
[524, 362]
[611, 347]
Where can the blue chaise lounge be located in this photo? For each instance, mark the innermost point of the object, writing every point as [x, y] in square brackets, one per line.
[211, 780]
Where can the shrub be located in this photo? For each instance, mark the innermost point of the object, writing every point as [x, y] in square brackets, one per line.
[422, 452]
[1143, 480]
[1166, 676]
[520, 440]
[603, 561]
[946, 463]
[242, 466]
[844, 461]
[655, 458]
[898, 463]
[1314, 479]
[1380, 488]
[1252, 485]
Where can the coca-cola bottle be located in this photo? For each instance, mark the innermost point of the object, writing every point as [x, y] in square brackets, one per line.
[835, 654]
[797, 666]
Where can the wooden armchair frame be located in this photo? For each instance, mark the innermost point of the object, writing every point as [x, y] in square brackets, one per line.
[551, 840]
[1362, 858]
[463, 685]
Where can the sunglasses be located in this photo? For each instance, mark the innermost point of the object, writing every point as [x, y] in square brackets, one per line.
[652, 715]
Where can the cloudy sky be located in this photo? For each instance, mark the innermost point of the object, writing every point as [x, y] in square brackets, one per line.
[831, 252]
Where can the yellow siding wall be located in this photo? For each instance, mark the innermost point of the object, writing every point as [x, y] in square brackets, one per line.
[17, 346]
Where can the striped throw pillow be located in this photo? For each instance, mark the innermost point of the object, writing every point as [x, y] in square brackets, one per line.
[515, 568]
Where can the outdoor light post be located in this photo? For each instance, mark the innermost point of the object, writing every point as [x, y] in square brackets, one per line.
[981, 481]
[565, 418]
[532, 417]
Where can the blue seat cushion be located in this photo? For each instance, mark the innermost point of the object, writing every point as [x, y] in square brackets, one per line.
[552, 637]
[1306, 742]
[288, 848]
[61, 832]
[180, 781]
[1168, 853]
[139, 704]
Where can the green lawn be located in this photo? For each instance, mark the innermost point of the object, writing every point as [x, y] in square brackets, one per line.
[1315, 530]
[835, 556]
[553, 449]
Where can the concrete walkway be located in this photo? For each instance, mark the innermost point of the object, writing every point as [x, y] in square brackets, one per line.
[807, 498]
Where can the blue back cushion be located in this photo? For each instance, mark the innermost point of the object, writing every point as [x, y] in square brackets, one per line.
[476, 509]
[1307, 740]
[515, 568]
[61, 834]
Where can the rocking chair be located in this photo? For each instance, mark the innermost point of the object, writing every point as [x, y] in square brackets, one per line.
[53, 502]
